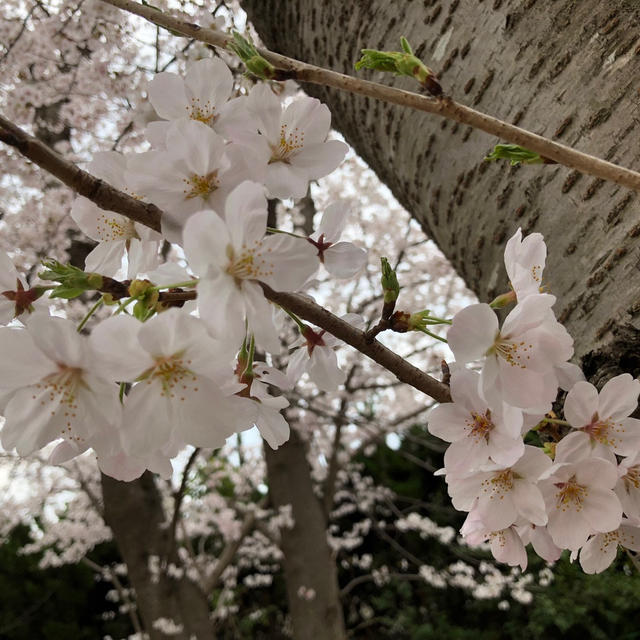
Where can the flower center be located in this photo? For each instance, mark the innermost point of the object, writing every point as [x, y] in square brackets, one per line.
[632, 478]
[173, 374]
[571, 495]
[514, 353]
[110, 228]
[248, 264]
[289, 144]
[201, 186]
[603, 430]
[499, 484]
[480, 425]
[203, 113]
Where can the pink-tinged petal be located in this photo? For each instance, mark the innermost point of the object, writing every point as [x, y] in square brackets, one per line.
[167, 96]
[505, 450]
[115, 340]
[171, 332]
[602, 509]
[284, 181]
[260, 317]
[333, 222]
[473, 332]
[272, 426]
[596, 471]
[106, 259]
[543, 544]
[297, 365]
[293, 261]
[66, 451]
[236, 123]
[464, 389]
[507, 547]
[320, 159]
[148, 419]
[619, 397]
[206, 418]
[344, 260]
[266, 108]
[449, 422]
[8, 273]
[497, 510]
[28, 363]
[324, 371]
[581, 404]
[222, 307]
[629, 536]
[156, 133]
[310, 117]
[574, 447]
[206, 239]
[529, 502]
[598, 554]
[210, 82]
[466, 455]
[568, 374]
[528, 314]
[195, 147]
[532, 464]
[246, 214]
[629, 497]
[568, 529]
[28, 420]
[524, 388]
[464, 490]
[142, 257]
[58, 339]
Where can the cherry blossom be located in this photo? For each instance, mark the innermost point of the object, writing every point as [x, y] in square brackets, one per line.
[628, 486]
[232, 255]
[202, 95]
[601, 550]
[580, 500]
[55, 387]
[177, 370]
[602, 418]
[15, 300]
[296, 140]
[341, 259]
[196, 170]
[477, 432]
[524, 261]
[521, 356]
[116, 235]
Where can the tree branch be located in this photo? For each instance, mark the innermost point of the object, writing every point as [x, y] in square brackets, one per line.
[96, 190]
[445, 107]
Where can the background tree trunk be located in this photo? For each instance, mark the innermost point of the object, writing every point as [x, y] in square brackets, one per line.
[564, 69]
[135, 514]
[308, 560]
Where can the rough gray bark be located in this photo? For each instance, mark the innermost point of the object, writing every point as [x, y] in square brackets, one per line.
[308, 560]
[561, 68]
[135, 514]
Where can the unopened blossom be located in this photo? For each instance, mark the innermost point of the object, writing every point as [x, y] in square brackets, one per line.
[602, 419]
[203, 95]
[519, 357]
[476, 430]
[628, 486]
[601, 550]
[196, 170]
[296, 140]
[524, 261]
[317, 357]
[54, 387]
[178, 371]
[231, 256]
[117, 236]
[504, 495]
[341, 259]
[580, 500]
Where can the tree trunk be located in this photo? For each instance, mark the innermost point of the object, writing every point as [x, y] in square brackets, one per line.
[134, 512]
[564, 69]
[308, 561]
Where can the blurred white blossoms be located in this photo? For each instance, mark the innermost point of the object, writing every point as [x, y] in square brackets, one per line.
[294, 140]
[231, 256]
[117, 236]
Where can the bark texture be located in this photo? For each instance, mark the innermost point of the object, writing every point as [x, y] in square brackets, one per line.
[566, 69]
[308, 561]
[135, 514]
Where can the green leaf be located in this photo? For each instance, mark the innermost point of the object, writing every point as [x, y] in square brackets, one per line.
[515, 154]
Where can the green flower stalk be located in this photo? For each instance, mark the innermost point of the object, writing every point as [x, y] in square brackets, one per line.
[390, 288]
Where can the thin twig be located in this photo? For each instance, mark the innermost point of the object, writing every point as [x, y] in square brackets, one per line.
[445, 107]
